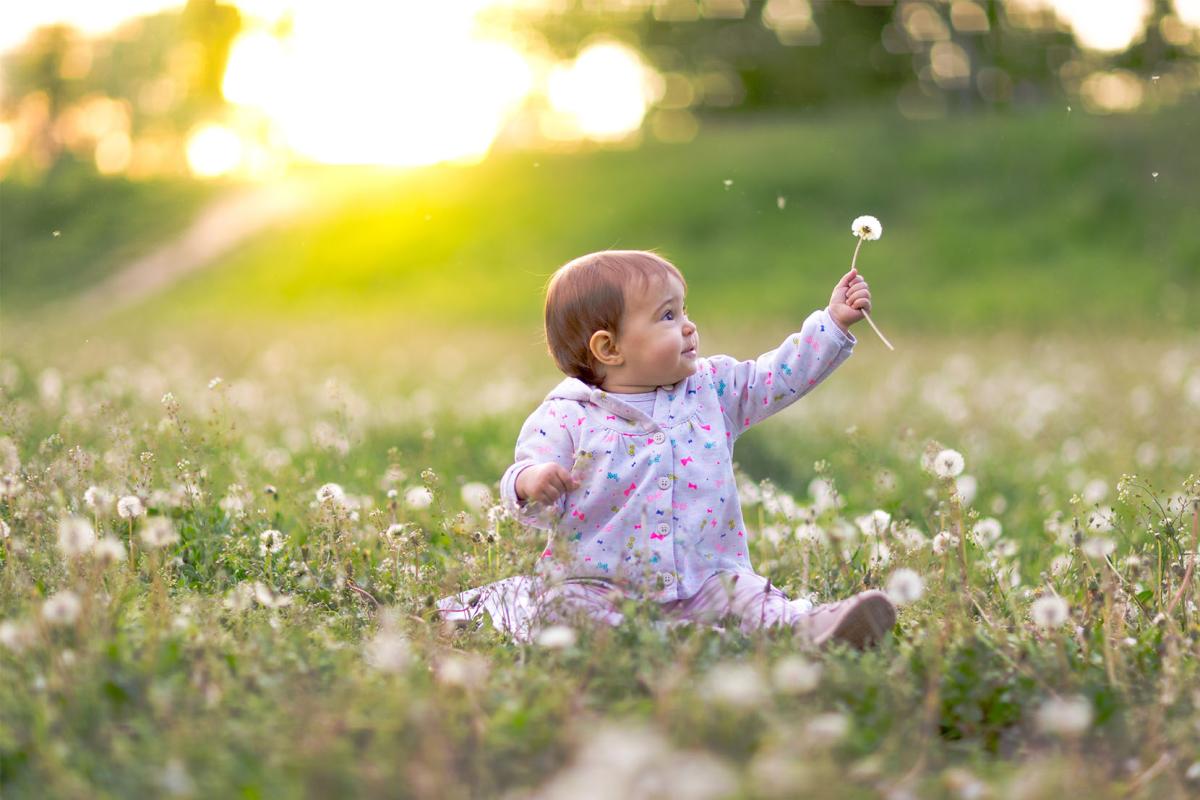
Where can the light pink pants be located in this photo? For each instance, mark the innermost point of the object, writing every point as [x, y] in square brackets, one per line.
[753, 601]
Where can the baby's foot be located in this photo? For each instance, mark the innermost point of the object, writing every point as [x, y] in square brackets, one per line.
[860, 621]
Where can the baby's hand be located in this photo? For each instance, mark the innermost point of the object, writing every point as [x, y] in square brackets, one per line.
[545, 483]
[850, 301]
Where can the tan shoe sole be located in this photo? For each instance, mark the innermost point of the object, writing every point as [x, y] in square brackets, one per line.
[865, 620]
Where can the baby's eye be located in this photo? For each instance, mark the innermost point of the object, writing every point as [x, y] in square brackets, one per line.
[669, 315]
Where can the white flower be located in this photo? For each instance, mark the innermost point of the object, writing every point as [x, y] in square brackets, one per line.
[965, 486]
[215, 382]
[796, 675]
[556, 637]
[476, 496]
[388, 651]
[905, 586]
[1065, 716]
[330, 493]
[874, 524]
[269, 598]
[97, 498]
[61, 608]
[1050, 611]
[1101, 520]
[944, 542]
[109, 551]
[736, 685]
[1059, 564]
[158, 532]
[866, 227]
[75, 536]
[1095, 491]
[418, 497]
[1098, 547]
[465, 670]
[130, 507]
[987, 531]
[948, 464]
[270, 541]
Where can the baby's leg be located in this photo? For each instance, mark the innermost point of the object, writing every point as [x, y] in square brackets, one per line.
[751, 598]
[579, 602]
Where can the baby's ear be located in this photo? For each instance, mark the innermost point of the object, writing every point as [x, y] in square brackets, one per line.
[604, 348]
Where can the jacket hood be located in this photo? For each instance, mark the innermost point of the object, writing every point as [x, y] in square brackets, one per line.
[680, 400]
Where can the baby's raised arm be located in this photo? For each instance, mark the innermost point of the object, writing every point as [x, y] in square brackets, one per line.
[750, 391]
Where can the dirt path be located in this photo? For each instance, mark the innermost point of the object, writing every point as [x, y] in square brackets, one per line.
[220, 227]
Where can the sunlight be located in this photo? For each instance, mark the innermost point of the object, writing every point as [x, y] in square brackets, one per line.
[603, 94]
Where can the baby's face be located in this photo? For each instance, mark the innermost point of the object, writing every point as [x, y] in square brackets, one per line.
[660, 343]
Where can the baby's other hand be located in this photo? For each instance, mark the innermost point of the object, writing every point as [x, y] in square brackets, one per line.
[545, 483]
[850, 301]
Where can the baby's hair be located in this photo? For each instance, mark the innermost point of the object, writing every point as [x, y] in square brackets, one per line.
[587, 295]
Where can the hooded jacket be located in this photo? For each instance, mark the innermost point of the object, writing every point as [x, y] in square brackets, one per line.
[657, 510]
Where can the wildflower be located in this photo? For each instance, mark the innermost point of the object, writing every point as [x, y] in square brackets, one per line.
[418, 497]
[943, 542]
[17, 636]
[270, 541]
[905, 586]
[795, 675]
[866, 227]
[1065, 716]
[874, 524]
[736, 685]
[158, 532]
[330, 493]
[109, 551]
[948, 464]
[269, 598]
[130, 507]
[476, 496]
[556, 637]
[392, 494]
[215, 382]
[61, 608]
[461, 670]
[987, 531]
[388, 651]
[97, 498]
[1098, 548]
[1050, 611]
[75, 536]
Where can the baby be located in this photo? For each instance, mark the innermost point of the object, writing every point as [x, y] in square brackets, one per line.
[628, 462]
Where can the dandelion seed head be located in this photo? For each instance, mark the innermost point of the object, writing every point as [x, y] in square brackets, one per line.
[130, 507]
[97, 498]
[476, 496]
[1098, 548]
[5, 531]
[1065, 716]
[330, 493]
[795, 675]
[874, 524]
[270, 541]
[1050, 611]
[866, 227]
[987, 531]
[948, 464]
[944, 542]
[828, 728]
[109, 551]
[388, 651]
[75, 536]
[158, 532]
[905, 586]
[61, 608]
[418, 497]
[734, 684]
[17, 636]
[1101, 520]
[556, 637]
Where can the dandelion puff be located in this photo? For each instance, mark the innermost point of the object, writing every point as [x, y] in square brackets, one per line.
[130, 507]
[96, 498]
[1101, 520]
[418, 497]
[866, 227]
[61, 608]
[270, 541]
[948, 464]
[1098, 548]
[1065, 716]
[5, 531]
[174, 779]
[874, 524]
[158, 532]
[944, 542]
[75, 536]
[796, 675]
[269, 598]
[109, 551]
[388, 651]
[17, 636]
[461, 670]
[905, 586]
[987, 531]
[556, 637]
[828, 728]
[735, 685]
[1050, 611]
[476, 496]
[330, 493]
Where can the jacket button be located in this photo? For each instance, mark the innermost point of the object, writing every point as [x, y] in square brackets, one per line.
[664, 527]
[659, 437]
[664, 483]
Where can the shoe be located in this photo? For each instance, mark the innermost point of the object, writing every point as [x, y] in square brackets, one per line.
[860, 621]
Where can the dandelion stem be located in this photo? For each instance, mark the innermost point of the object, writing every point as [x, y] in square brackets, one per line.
[871, 322]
